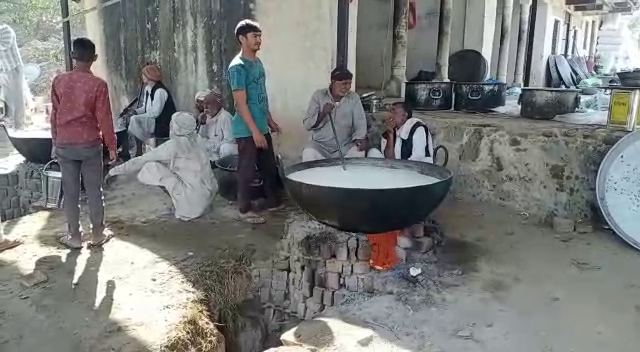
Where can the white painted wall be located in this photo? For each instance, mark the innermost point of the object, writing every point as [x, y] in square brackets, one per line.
[476, 25]
[375, 26]
[299, 52]
[548, 12]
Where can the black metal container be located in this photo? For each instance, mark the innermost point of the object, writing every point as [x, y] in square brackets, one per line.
[479, 97]
[370, 211]
[547, 103]
[225, 171]
[629, 78]
[429, 96]
[226, 174]
[34, 148]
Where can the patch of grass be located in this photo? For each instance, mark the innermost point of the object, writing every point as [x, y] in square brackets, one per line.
[195, 332]
[225, 282]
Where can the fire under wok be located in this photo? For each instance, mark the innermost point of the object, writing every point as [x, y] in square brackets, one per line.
[367, 210]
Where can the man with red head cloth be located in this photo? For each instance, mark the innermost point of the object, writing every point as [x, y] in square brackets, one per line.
[153, 118]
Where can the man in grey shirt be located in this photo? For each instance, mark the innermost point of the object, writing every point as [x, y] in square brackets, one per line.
[344, 107]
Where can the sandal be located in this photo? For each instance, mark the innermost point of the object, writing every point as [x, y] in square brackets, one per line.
[252, 218]
[66, 241]
[276, 208]
[107, 237]
[8, 244]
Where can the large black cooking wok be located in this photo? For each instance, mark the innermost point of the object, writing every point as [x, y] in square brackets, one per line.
[366, 210]
[33, 148]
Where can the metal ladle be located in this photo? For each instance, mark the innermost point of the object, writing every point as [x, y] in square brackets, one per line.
[335, 136]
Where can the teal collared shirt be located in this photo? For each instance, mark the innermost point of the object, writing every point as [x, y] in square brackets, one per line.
[249, 75]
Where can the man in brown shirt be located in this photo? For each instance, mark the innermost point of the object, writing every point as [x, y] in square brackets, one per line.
[81, 121]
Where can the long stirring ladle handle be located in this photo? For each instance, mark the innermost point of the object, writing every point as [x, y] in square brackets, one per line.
[335, 136]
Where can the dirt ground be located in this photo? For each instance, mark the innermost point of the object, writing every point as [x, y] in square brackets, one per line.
[125, 297]
[521, 286]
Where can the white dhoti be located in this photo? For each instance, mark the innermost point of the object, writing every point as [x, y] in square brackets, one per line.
[12, 93]
[225, 149]
[310, 154]
[142, 127]
[189, 202]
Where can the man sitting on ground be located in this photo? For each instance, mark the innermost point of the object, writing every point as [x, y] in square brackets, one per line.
[180, 166]
[152, 119]
[216, 129]
[344, 107]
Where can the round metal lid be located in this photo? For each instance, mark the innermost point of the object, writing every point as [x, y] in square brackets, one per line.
[618, 188]
[468, 65]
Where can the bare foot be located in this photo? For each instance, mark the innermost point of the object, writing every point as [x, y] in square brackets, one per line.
[10, 243]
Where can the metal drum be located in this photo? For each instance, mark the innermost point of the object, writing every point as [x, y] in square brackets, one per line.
[430, 96]
[51, 186]
[479, 97]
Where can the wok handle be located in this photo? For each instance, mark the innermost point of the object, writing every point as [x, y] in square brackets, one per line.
[446, 155]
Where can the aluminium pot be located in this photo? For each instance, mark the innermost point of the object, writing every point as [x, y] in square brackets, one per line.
[370, 211]
[371, 103]
[479, 97]
[429, 96]
[547, 103]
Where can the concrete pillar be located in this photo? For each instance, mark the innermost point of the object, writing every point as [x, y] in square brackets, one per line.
[505, 36]
[444, 41]
[541, 49]
[480, 26]
[395, 86]
[592, 44]
[523, 34]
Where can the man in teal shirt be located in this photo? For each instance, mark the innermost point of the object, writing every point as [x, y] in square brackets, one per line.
[252, 122]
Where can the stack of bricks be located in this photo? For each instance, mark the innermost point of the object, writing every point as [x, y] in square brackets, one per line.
[414, 244]
[317, 267]
[19, 188]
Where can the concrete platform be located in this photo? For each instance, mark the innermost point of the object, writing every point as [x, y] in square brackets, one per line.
[544, 168]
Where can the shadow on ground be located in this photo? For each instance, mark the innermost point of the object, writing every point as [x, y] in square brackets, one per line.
[71, 311]
[126, 297]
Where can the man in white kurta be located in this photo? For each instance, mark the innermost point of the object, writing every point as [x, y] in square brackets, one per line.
[180, 166]
[215, 128]
[143, 120]
[11, 77]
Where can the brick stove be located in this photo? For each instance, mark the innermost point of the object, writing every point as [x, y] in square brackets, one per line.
[317, 267]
